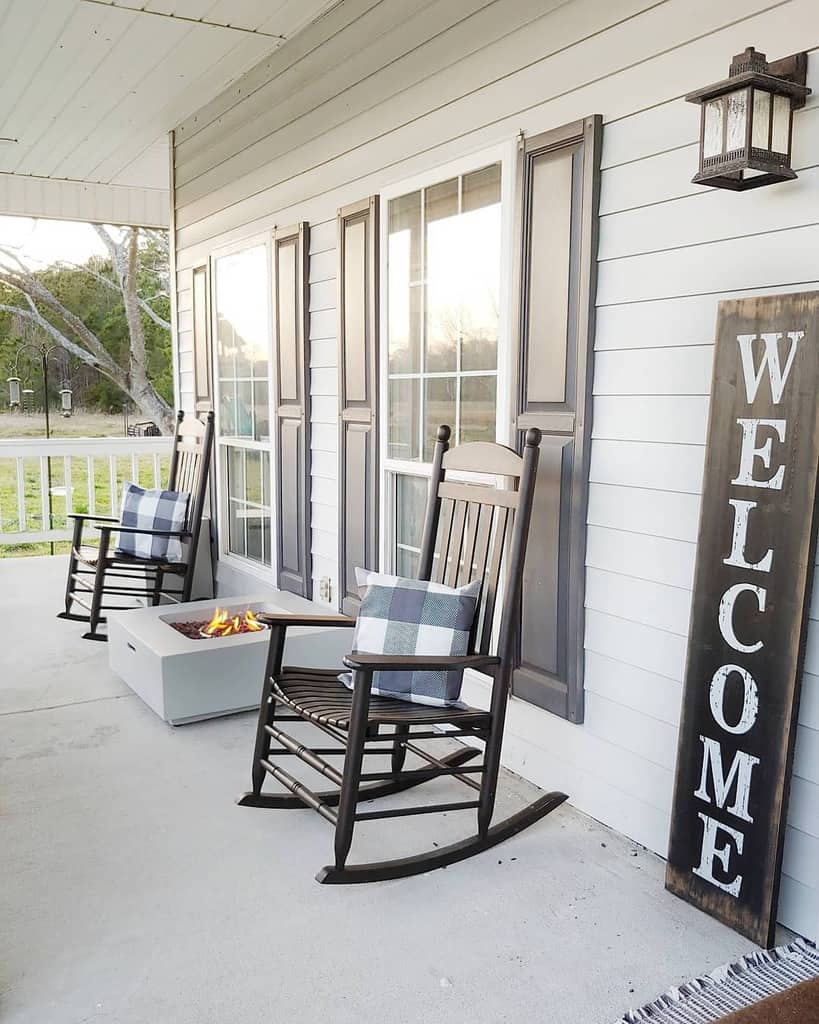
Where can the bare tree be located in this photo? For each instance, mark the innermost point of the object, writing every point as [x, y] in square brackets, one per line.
[42, 307]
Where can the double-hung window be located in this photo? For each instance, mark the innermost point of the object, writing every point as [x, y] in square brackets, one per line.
[243, 341]
[445, 353]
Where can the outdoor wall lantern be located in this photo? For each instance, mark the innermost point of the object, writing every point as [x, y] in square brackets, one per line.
[747, 119]
[66, 400]
[14, 392]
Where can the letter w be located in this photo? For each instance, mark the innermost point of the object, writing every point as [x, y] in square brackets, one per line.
[740, 774]
[770, 361]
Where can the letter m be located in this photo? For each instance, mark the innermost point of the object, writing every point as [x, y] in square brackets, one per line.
[770, 362]
[739, 775]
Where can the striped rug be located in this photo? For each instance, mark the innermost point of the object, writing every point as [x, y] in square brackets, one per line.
[733, 987]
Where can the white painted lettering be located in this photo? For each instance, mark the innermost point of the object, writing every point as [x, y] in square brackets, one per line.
[710, 853]
[726, 615]
[750, 699]
[739, 775]
[748, 452]
[742, 510]
[770, 361]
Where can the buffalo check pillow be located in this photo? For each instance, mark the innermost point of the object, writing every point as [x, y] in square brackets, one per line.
[400, 616]
[152, 510]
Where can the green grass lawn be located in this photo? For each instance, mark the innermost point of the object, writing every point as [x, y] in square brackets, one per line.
[81, 425]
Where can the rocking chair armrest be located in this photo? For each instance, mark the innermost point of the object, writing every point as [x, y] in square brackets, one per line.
[183, 534]
[88, 517]
[419, 663]
[283, 619]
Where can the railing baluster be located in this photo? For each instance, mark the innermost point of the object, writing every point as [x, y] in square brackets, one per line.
[134, 468]
[91, 485]
[157, 470]
[21, 496]
[69, 500]
[44, 517]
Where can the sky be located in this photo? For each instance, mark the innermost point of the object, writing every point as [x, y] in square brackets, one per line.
[40, 242]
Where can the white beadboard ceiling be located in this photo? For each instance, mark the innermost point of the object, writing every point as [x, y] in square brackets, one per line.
[91, 87]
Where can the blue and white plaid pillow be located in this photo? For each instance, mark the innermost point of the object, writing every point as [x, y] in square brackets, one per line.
[152, 510]
[400, 616]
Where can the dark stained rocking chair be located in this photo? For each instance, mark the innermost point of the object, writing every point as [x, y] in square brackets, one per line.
[97, 573]
[470, 532]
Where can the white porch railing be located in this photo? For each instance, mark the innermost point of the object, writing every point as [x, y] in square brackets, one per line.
[42, 482]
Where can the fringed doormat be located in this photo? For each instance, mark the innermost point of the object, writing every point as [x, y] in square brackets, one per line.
[733, 987]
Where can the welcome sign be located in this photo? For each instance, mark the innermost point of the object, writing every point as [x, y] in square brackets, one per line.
[749, 613]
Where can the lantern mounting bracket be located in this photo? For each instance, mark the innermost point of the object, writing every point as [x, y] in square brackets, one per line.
[792, 69]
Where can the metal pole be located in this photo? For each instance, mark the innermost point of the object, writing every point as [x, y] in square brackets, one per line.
[44, 356]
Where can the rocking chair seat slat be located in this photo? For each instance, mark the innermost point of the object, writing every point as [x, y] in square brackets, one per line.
[318, 694]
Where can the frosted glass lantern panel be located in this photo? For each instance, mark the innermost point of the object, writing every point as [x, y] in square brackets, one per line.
[712, 133]
[760, 134]
[781, 124]
[737, 104]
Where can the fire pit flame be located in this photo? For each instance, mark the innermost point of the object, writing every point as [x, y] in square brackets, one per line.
[224, 624]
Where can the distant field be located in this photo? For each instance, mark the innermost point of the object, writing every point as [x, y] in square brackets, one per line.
[79, 425]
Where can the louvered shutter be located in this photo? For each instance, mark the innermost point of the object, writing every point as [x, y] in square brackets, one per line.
[358, 389]
[292, 405]
[557, 278]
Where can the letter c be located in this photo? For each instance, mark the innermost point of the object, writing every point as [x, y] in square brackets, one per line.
[726, 615]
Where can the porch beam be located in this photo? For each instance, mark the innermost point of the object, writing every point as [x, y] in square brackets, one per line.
[27, 195]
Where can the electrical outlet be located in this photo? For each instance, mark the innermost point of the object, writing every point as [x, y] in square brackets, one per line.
[325, 589]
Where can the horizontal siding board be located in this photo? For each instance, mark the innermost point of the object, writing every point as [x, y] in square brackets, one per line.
[323, 326]
[645, 647]
[653, 741]
[673, 418]
[639, 600]
[652, 694]
[684, 370]
[670, 322]
[655, 513]
[799, 907]
[655, 559]
[705, 216]
[766, 260]
[665, 467]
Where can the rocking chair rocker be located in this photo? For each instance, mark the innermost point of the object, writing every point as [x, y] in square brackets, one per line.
[471, 532]
[94, 573]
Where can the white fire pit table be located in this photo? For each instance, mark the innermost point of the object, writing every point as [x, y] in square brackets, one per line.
[185, 680]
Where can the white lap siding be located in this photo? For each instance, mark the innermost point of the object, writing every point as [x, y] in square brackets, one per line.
[378, 91]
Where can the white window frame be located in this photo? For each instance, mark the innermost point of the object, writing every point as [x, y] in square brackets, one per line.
[268, 574]
[506, 154]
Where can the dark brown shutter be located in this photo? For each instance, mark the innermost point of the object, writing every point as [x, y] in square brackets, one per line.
[202, 363]
[292, 403]
[557, 277]
[358, 389]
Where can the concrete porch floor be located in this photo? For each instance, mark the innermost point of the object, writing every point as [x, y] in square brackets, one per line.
[134, 890]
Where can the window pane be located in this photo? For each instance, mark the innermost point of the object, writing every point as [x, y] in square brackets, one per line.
[404, 414]
[242, 342]
[478, 404]
[443, 269]
[482, 188]
[439, 407]
[261, 410]
[410, 508]
[481, 259]
[253, 468]
[404, 296]
[236, 536]
[255, 518]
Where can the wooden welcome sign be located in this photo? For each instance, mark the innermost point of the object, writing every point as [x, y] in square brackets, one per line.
[749, 613]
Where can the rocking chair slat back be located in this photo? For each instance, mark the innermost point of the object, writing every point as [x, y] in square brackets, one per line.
[469, 530]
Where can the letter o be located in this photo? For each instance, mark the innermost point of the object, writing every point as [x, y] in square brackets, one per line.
[750, 700]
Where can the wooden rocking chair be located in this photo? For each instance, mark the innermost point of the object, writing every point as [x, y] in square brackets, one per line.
[471, 532]
[95, 573]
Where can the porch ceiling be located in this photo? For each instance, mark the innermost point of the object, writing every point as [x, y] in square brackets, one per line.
[91, 87]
